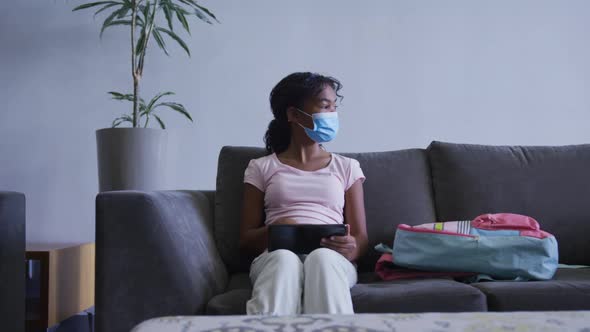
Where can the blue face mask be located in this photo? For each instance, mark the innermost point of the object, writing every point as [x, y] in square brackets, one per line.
[325, 126]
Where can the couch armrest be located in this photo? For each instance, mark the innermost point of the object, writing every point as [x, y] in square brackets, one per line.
[12, 261]
[155, 256]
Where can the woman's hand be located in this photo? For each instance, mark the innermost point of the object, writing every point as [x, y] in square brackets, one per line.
[345, 245]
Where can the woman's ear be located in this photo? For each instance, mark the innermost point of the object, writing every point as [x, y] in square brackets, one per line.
[291, 114]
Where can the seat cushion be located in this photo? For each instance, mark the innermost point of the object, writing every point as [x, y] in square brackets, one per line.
[397, 190]
[568, 290]
[550, 184]
[417, 295]
[373, 296]
[233, 300]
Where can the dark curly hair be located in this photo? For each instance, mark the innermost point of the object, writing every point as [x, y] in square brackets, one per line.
[293, 90]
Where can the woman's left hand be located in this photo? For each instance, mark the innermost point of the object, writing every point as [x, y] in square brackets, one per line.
[345, 245]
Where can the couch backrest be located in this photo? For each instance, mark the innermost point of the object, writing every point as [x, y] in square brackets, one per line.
[228, 203]
[550, 184]
[397, 190]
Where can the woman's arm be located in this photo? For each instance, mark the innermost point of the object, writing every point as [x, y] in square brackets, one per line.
[355, 244]
[253, 232]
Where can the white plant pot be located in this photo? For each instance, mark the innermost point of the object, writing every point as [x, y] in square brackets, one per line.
[131, 158]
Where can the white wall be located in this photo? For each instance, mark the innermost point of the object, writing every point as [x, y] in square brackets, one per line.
[492, 72]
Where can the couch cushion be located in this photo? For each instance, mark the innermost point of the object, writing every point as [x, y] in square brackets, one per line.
[372, 295]
[569, 290]
[550, 184]
[239, 281]
[397, 190]
[233, 300]
[228, 203]
[417, 295]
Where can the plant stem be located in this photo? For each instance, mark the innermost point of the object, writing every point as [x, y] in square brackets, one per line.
[133, 66]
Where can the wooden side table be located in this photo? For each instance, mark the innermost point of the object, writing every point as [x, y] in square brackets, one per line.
[62, 277]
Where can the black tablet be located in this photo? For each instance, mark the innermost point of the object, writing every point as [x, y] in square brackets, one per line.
[301, 239]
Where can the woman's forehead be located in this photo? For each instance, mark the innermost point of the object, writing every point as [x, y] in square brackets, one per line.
[327, 94]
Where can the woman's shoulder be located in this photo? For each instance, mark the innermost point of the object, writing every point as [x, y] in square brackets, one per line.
[349, 169]
[338, 158]
[263, 159]
[342, 162]
[263, 162]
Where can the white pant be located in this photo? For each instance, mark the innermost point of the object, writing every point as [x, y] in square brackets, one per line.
[280, 280]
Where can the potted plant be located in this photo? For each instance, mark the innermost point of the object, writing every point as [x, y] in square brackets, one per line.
[134, 157]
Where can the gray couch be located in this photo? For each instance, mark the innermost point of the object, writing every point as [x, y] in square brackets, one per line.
[176, 252]
[12, 261]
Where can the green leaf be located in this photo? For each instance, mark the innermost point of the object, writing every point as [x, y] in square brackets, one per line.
[147, 120]
[152, 102]
[145, 10]
[181, 9]
[140, 42]
[120, 96]
[199, 9]
[120, 120]
[153, 11]
[116, 95]
[123, 13]
[93, 4]
[128, 97]
[182, 19]
[168, 14]
[160, 41]
[109, 19]
[120, 22]
[160, 121]
[139, 20]
[206, 11]
[105, 7]
[176, 107]
[202, 16]
[176, 38]
[143, 38]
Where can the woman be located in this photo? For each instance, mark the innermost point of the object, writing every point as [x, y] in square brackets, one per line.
[299, 182]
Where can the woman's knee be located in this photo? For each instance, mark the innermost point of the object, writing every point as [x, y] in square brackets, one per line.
[284, 258]
[320, 256]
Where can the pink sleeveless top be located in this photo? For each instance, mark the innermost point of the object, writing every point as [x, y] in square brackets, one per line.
[309, 197]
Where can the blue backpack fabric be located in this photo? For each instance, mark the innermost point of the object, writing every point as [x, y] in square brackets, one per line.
[502, 246]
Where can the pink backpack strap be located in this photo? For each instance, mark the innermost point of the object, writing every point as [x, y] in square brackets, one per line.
[527, 226]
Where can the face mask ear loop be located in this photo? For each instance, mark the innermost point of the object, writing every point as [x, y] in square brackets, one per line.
[311, 116]
[302, 126]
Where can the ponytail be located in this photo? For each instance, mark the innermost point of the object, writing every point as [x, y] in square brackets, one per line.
[278, 136]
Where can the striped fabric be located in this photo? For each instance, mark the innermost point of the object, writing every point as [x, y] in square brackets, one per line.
[460, 227]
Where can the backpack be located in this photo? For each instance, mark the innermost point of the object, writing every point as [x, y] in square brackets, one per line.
[502, 246]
